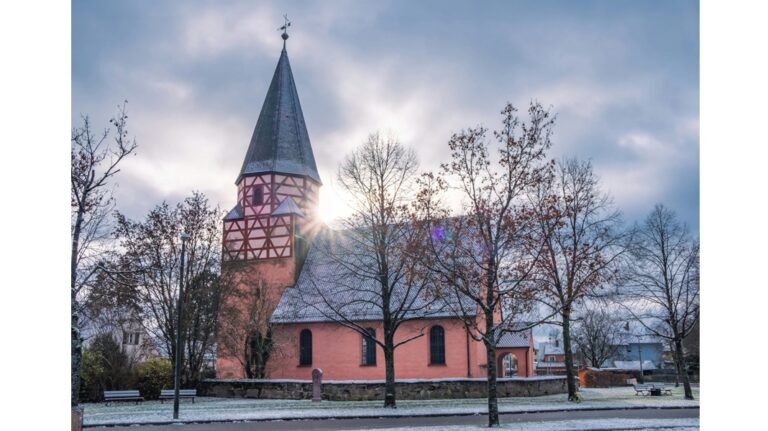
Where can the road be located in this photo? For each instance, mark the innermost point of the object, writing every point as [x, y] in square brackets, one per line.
[374, 423]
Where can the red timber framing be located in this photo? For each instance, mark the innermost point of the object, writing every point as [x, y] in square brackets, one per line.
[259, 235]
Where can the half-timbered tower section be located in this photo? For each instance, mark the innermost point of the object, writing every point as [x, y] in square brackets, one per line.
[272, 208]
[266, 235]
[278, 185]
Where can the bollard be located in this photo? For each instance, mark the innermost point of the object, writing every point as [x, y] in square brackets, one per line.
[77, 418]
[317, 382]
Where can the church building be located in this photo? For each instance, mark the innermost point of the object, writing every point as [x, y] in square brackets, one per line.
[268, 236]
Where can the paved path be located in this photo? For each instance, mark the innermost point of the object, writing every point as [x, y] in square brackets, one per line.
[374, 423]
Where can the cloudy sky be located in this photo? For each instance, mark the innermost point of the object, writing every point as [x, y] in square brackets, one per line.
[623, 77]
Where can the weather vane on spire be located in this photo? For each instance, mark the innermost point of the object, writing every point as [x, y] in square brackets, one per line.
[284, 28]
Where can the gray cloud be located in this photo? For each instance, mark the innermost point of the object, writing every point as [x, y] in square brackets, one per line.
[622, 76]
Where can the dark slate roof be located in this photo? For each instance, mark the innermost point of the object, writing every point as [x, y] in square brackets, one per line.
[234, 213]
[325, 286]
[288, 206]
[515, 339]
[280, 141]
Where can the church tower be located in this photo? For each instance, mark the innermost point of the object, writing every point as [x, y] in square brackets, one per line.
[266, 234]
[278, 184]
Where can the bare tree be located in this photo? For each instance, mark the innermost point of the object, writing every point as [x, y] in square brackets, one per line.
[487, 253]
[109, 305]
[95, 160]
[597, 335]
[366, 268]
[661, 289]
[581, 247]
[151, 253]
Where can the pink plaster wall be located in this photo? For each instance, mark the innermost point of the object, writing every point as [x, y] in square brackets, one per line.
[338, 352]
[278, 274]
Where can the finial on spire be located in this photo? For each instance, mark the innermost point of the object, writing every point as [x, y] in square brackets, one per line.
[284, 28]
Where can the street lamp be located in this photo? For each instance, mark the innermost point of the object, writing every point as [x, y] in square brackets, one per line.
[178, 358]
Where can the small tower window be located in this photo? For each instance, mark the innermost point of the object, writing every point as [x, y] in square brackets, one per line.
[258, 195]
[305, 347]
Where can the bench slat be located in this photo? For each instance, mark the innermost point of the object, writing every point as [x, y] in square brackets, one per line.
[128, 395]
[182, 392]
[167, 394]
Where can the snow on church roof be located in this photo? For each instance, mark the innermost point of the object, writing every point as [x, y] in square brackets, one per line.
[288, 206]
[328, 286]
[234, 213]
[515, 339]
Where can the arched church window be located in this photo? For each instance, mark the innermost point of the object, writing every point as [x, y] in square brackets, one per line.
[437, 345]
[509, 362]
[305, 347]
[369, 347]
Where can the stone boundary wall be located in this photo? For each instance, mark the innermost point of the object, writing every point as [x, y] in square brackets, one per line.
[605, 377]
[414, 389]
[669, 378]
[609, 377]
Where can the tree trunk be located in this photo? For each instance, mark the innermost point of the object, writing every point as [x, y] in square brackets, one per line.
[674, 357]
[77, 355]
[493, 400]
[76, 341]
[389, 366]
[248, 357]
[569, 372]
[681, 372]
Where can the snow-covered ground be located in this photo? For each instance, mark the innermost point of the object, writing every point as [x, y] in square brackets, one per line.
[225, 409]
[591, 424]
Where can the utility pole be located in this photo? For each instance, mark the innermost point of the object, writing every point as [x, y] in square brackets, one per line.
[179, 356]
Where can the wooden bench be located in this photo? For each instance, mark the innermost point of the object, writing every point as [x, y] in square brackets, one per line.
[167, 394]
[130, 395]
[652, 389]
[643, 389]
[662, 388]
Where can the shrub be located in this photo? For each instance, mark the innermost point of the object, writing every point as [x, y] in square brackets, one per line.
[154, 375]
[91, 376]
[105, 367]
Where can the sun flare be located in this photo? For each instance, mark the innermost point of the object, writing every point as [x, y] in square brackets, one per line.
[333, 206]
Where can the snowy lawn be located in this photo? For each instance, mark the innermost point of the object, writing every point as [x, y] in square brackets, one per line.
[590, 424]
[224, 409]
[587, 424]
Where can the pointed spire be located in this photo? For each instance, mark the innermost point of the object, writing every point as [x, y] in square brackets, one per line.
[280, 141]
